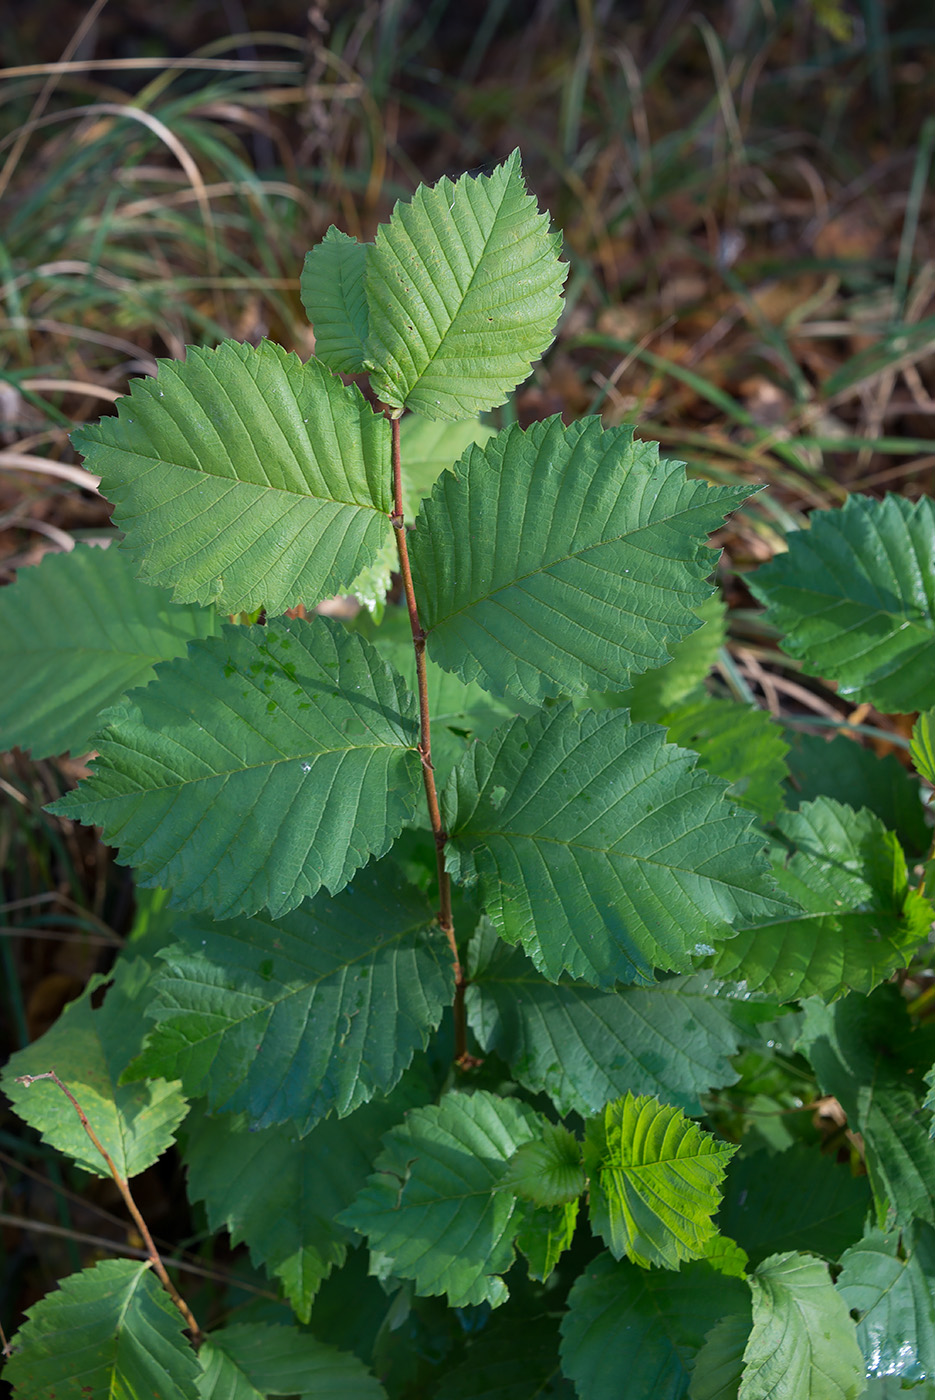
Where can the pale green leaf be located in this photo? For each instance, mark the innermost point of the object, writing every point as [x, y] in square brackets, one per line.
[548, 1170]
[583, 1046]
[245, 478]
[293, 738]
[563, 558]
[334, 295]
[108, 1332]
[434, 1207]
[803, 1345]
[289, 1226]
[923, 745]
[859, 920]
[719, 1363]
[293, 1018]
[464, 292]
[889, 1280]
[75, 634]
[823, 1214]
[88, 1048]
[726, 1255]
[855, 600]
[635, 1332]
[253, 1360]
[655, 1181]
[737, 742]
[600, 847]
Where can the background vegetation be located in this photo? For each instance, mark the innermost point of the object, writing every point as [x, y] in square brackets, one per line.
[746, 199]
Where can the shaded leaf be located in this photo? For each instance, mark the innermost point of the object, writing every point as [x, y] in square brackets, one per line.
[600, 848]
[544, 1235]
[335, 298]
[655, 1179]
[434, 1206]
[719, 1364]
[889, 1281]
[583, 1046]
[803, 1345]
[632, 1331]
[859, 920]
[245, 478]
[855, 600]
[464, 291]
[506, 1362]
[547, 1171]
[822, 1212]
[75, 634]
[108, 1331]
[308, 768]
[250, 1360]
[560, 559]
[737, 742]
[317, 1011]
[88, 1048]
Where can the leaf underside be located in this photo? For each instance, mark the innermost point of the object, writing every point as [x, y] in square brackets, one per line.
[245, 478]
[563, 558]
[309, 768]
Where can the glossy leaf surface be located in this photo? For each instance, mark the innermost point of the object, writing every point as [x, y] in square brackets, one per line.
[888, 1281]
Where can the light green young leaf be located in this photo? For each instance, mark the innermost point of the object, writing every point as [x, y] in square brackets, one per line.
[583, 1047]
[655, 1179]
[803, 1345]
[635, 1332]
[563, 558]
[88, 1048]
[600, 847]
[737, 742]
[75, 634]
[888, 1280]
[719, 1364]
[434, 1206]
[548, 1170]
[333, 293]
[245, 478]
[865, 1052]
[289, 1226]
[108, 1331]
[544, 1235]
[859, 920]
[295, 740]
[464, 292]
[923, 745]
[855, 600]
[253, 1360]
[823, 1215]
[293, 1018]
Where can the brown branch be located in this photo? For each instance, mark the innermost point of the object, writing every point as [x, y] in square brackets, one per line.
[123, 1187]
[445, 919]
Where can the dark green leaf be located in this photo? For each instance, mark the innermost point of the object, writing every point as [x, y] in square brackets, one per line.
[464, 291]
[89, 1048]
[245, 478]
[634, 1332]
[75, 634]
[655, 1181]
[740, 743]
[544, 1235]
[435, 1207]
[110, 1331]
[251, 1360]
[584, 1047]
[855, 598]
[547, 1171]
[509, 1362]
[822, 1211]
[719, 1364]
[291, 1019]
[859, 920]
[296, 741]
[563, 558]
[600, 847]
[334, 295]
[654, 693]
[803, 1345]
[890, 1282]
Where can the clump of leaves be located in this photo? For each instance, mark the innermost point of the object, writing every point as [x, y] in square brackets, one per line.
[458, 948]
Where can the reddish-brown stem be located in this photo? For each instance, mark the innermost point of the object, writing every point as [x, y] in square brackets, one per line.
[124, 1188]
[445, 920]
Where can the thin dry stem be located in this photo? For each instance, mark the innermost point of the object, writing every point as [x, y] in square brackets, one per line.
[123, 1187]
